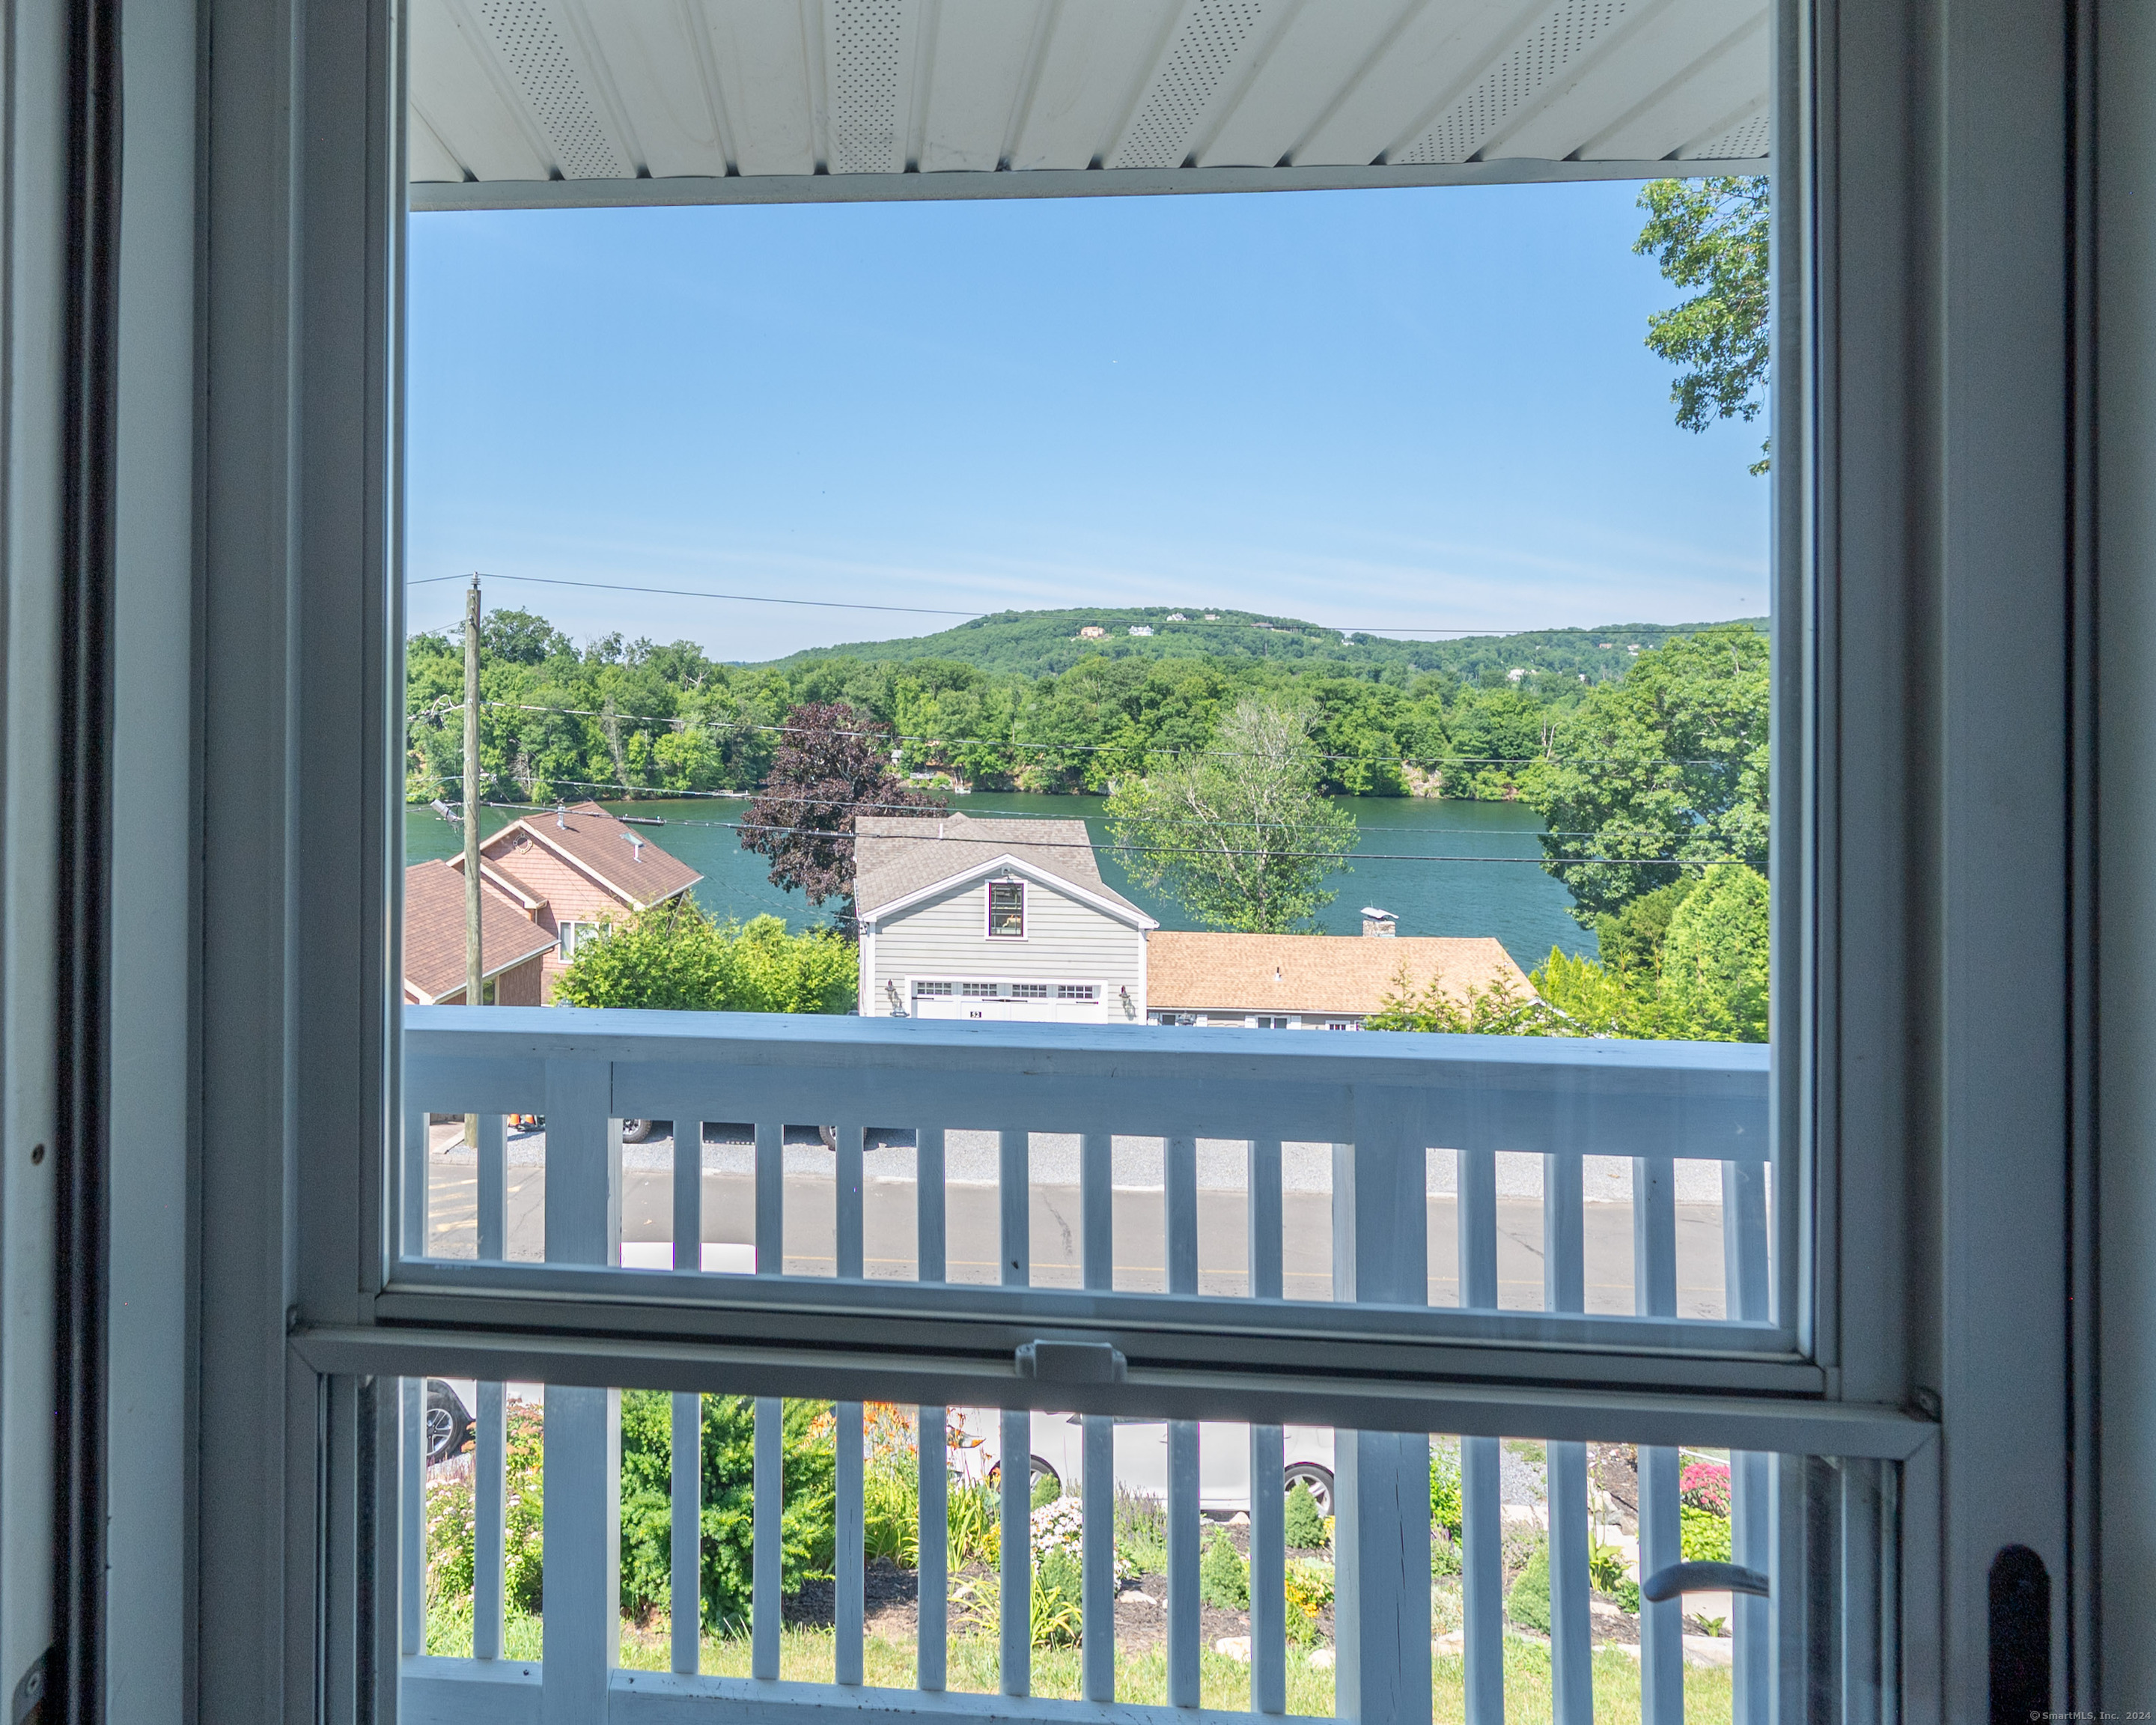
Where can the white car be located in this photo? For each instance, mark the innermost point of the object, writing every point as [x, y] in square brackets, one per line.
[1224, 1456]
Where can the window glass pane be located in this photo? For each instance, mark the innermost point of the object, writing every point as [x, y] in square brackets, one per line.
[1383, 653]
[1156, 1563]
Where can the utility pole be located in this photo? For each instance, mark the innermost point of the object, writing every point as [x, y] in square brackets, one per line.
[473, 966]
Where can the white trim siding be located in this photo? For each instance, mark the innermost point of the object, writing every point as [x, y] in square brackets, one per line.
[1072, 940]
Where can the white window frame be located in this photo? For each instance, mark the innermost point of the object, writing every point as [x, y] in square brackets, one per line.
[1934, 1017]
[991, 931]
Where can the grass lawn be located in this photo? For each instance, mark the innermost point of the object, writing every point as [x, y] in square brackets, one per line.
[805, 1655]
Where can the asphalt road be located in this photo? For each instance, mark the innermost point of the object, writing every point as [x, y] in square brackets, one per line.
[972, 1212]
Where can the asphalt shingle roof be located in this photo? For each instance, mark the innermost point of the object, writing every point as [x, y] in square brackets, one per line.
[638, 871]
[1315, 974]
[895, 856]
[434, 931]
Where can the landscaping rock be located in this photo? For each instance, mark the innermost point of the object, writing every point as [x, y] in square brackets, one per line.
[1235, 1647]
[1321, 1659]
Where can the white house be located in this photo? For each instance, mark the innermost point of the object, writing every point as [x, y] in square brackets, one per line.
[964, 917]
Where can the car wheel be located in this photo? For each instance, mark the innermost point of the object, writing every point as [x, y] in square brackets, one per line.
[1039, 1471]
[635, 1132]
[1318, 1479]
[448, 1422]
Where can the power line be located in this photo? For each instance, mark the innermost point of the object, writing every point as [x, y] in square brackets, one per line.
[443, 709]
[1644, 631]
[1338, 856]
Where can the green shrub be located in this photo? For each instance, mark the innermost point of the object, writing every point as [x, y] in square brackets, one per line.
[890, 1515]
[673, 956]
[1058, 1590]
[1704, 1535]
[808, 1531]
[1605, 1567]
[1141, 1534]
[1309, 1589]
[1627, 1596]
[1444, 1502]
[452, 1535]
[1445, 1557]
[1224, 1578]
[976, 1535]
[1046, 1489]
[1303, 1522]
[1528, 1604]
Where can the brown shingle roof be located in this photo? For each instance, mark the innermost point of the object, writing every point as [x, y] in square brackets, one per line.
[1305, 973]
[434, 931]
[895, 856]
[639, 874]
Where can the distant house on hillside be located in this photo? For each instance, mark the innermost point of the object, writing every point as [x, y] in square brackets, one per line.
[964, 917]
[1092, 632]
[1141, 628]
[512, 947]
[1300, 982]
[569, 872]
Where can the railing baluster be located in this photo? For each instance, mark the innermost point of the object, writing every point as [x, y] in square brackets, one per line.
[848, 1219]
[413, 1209]
[1747, 1285]
[1654, 1236]
[1655, 1295]
[1380, 1484]
[1097, 1206]
[1015, 1530]
[1096, 1502]
[1483, 1578]
[490, 1513]
[1263, 1207]
[411, 1423]
[847, 1588]
[1179, 1175]
[929, 1232]
[688, 1194]
[1477, 1185]
[1268, 1553]
[686, 1483]
[768, 1492]
[580, 1632]
[493, 1189]
[1564, 1289]
[1182, 1557]
[932, 1568]
[1482, 1529]
[1014, 1196]
[1572, 1654]
[770, 1215]
[1661, 1627]
[1751, 1512]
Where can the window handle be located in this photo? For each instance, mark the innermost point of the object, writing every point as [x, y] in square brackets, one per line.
[1666, 1584]
[1070, 1362]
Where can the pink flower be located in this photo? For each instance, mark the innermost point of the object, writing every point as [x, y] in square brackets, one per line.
[1705, 1485]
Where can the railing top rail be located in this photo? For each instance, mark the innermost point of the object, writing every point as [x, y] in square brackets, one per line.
[1077, 1051]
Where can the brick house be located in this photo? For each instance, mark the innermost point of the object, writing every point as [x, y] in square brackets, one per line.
[571, 870]
[512, 949]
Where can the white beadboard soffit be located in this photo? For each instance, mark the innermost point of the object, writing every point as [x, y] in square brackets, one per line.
[576, 103]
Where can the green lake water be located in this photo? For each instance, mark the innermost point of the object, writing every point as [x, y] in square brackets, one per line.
[1443, 868]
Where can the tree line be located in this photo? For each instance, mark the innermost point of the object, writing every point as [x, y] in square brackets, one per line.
[631, 719]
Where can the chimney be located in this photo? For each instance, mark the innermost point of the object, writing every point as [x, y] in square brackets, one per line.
[1383, 923]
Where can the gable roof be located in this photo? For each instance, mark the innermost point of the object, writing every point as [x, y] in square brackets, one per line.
[611, 852]
[434, 931]
[899, 859]
[1307, 972]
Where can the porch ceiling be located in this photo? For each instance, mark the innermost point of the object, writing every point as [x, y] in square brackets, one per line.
[566, 103]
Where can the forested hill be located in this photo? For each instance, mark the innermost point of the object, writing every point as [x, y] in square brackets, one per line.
[1035, 643]
[613, 717]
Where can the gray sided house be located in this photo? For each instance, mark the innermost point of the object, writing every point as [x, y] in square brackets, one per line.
[967, 918]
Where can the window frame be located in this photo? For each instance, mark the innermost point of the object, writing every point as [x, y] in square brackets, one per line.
[1905, 899]
[1010, 889]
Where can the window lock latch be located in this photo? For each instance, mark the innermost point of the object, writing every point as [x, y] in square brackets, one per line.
[1070, 1362]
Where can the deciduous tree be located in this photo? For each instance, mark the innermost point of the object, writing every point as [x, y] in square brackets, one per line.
[1240, 836]
[1711, 236]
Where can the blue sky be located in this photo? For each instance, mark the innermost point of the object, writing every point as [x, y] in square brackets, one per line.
[1367, 408]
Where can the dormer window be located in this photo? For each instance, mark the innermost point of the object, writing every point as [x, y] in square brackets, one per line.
[1007, 910]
